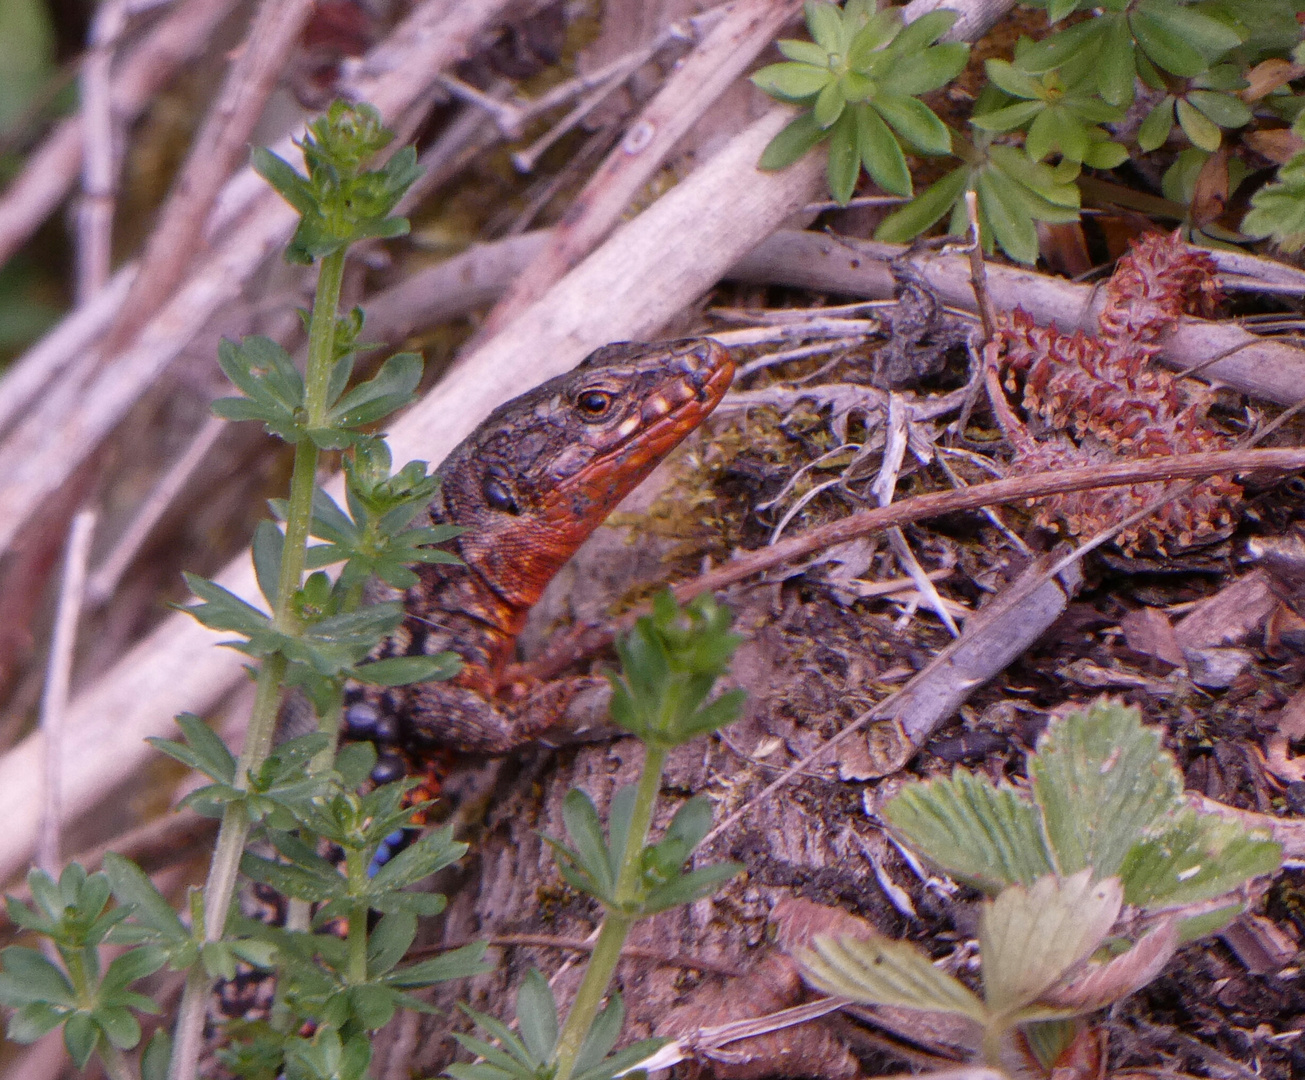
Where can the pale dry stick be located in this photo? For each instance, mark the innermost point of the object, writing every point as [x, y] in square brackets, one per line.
[895, 425]
[54, 702]
[53, 441]
[710, 69]
[1262, 367]
[65, 353]
[51, 170]
[215, 152]
[99, 154]
[104, 580]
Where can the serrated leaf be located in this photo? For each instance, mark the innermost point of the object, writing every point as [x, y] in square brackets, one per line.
[1102, 984]
[884, 972]
[1192, 859]
[982, 834]
[1030, 937]
[1102, 782]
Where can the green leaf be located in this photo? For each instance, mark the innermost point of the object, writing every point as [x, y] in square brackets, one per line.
[537, 1015]
[1103, 782]
[1056, 129]
[1004, 75]
[267, 546]
[283, 178]
[844, 164]
[1166, 40]
[988, 836]
[829, 105]
[1278, 208]
[916, 123]
[222, 609]
[883, 972]
[585, 832]
[1226, 110]
[603, 1033]
[392, 387]
[825, 22]
[805, 52]
[797, 137]
[878, 31]
[1081, 39]
[690, 887]
[1116, 62]
[880, 152]
[403, 670]
[926, 71]
[1006, 214]
[133, 889]
[1158, 124]
[28, 978]
[1008, 118]
[924, 31]
[1194, 859]
[791, 81]
[911, 220]
[1204, 134]
[80, 1035]
[463, 963]
[203, 750]
[1030, 937]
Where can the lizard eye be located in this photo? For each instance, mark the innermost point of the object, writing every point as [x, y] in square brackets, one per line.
[499, 495]
[594, 403]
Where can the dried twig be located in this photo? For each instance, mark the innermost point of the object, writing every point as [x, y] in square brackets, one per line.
[51, 170]
[54, 703]
[702, 77]
[99, 159]
[220, 143]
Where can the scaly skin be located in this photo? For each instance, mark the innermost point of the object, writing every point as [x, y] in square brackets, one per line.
[530, 485]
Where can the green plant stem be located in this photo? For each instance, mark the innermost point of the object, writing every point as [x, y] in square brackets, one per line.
[355, 971]
[617, 920]
[234, 830]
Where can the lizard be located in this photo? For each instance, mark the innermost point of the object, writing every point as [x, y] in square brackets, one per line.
[529, 485]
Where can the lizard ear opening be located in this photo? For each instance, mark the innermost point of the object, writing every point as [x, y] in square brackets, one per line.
[499, 495]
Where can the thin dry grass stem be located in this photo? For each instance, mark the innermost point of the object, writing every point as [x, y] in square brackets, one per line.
[51, 170]
[99, 157]
[104, 580]
[1014, 489]
[219, 146]
[896, 427]
[708, 71]
[58, 674]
